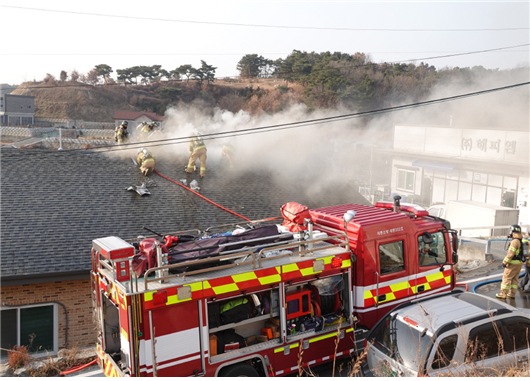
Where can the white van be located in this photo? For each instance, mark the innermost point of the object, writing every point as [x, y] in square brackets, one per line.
[459, 334]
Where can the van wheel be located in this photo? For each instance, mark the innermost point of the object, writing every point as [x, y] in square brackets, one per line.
[239, 370]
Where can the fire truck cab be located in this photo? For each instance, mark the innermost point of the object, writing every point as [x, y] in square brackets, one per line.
[261, 299]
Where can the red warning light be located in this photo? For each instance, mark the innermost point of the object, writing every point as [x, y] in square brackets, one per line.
[336, 262]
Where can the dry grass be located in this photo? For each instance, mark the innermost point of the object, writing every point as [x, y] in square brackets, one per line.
[18, 357]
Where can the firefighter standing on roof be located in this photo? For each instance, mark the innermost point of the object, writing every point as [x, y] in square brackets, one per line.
[512, 264]
[122, 135]
[228, 152]
[146, 161]
[197, 151]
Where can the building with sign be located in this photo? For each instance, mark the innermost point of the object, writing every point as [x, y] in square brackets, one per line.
[438, 164]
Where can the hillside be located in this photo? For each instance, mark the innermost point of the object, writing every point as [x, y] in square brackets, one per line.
[77, 100]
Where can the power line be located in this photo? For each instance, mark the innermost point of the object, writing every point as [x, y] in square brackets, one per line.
[265, 26]
[284, 126]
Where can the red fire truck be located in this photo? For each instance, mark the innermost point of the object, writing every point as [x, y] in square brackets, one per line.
[266, 297]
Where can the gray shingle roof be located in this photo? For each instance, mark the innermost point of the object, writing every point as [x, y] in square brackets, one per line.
[53, 204]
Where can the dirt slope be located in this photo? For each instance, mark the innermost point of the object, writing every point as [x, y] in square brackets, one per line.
[98, 103]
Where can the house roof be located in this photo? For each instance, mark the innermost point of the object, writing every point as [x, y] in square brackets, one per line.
[54, 203]
[133, 115]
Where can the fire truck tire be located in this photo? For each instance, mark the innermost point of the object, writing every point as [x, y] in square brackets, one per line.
[239, 370]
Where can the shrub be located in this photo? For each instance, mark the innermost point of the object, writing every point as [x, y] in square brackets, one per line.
[18, 357]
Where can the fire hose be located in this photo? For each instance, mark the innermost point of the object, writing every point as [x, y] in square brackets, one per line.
[200, 195]
[77, 368]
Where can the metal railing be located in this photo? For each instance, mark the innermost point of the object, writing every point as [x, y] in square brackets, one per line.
[486, 241]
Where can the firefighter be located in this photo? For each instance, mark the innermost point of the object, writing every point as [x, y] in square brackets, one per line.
[122, 135]
[228, 152]
[524, 282]
[197, 151]
[147, 129]
[146, 161]
[512, 264]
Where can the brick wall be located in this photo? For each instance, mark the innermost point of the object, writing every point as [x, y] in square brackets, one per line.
[75, 295]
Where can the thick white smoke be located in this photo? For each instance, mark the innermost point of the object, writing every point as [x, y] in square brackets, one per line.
[327, 153]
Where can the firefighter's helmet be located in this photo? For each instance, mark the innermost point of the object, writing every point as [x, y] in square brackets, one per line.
[125, 123]
[515, 229]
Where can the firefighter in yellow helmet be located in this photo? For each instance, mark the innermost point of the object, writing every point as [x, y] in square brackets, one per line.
[121, 136]
[197, 150]
[228, 152]
[146, 161]
[512, 263]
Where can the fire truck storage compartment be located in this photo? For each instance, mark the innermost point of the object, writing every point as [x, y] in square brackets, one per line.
[329, 303]
[264, 307]
[111, 331]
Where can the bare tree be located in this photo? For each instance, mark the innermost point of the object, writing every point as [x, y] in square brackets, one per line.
[74, 76]
[49, 79]
[63, 76]
[92, 77]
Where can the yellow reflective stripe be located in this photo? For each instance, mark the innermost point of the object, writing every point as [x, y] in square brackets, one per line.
[399, 286]
[349, 330]
[281, 349]
[308, 271]
[289, 268]
[226, 288]
[148, 296]
[270, 279]
[368, 294]
[244, 277]
[334, 334]
[346, 263]
[124, 334]
[435, 276]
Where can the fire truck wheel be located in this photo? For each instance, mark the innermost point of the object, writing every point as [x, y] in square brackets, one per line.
[239, 370]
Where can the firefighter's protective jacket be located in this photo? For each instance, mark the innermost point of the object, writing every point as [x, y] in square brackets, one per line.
[514, 255]
[121, 135]
[196, 144]
[146, 162]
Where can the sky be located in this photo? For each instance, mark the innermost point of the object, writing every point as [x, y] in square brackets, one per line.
[48, 37]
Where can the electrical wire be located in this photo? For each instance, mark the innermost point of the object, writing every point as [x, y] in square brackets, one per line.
[277, 127]
[143, 18]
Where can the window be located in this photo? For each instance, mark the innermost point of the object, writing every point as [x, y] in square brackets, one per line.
[484, 342]
[445, 352]
[406, 180]
[391, 257]
[34, 327]
[434, 252]
[519, 333]
[382, 336]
